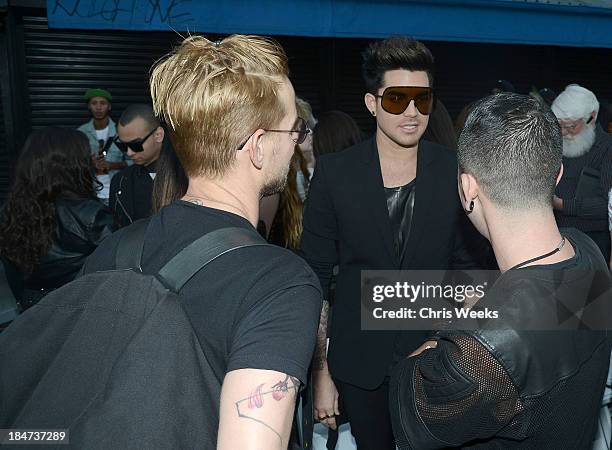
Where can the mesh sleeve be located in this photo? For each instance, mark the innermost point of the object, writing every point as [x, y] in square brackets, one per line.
[452, 395]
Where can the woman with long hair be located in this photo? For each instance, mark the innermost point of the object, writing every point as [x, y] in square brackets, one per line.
[52, 219]
[286, 229]
[304, 110]
[171, 182]
[281, 214]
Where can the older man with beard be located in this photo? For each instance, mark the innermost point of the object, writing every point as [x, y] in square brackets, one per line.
[581, 196]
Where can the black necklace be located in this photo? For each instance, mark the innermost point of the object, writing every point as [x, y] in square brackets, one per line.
[537, 258]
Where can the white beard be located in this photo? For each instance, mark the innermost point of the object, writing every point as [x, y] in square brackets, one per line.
[578, 145]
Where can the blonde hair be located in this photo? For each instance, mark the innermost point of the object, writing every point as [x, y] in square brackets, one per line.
[304, 111]
[213, 95]
[291, 205]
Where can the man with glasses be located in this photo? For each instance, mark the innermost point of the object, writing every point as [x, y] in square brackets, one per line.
[229, 109]
[101, 132]
[581, 196]
[141, 138]
[388, 203]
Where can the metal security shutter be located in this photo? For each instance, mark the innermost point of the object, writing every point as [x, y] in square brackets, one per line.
[62, 64]
[306, 70]
[466, 72]
[589, 67]
[4, 156]
[349, 88]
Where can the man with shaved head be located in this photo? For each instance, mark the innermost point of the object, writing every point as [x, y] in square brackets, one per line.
[140, 137]
[531, 375]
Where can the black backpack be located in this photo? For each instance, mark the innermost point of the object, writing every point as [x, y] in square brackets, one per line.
[112, 356]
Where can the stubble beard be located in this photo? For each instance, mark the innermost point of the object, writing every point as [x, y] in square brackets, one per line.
[277, 184]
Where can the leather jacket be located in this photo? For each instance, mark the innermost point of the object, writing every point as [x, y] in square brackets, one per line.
[506, 385]
[131, 194]
[81, 224]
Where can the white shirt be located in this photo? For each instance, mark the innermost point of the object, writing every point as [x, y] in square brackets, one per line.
[105, 179]
[301, 183]
[102, 135]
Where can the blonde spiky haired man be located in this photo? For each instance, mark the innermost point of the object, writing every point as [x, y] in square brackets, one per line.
[230, 112]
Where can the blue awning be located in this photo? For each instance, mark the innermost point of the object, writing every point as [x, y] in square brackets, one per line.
[586, 23]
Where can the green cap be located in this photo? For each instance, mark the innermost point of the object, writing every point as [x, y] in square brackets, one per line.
[97, 92]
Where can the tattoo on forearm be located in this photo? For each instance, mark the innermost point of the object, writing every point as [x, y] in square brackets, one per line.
[319, 361]
[257, 400]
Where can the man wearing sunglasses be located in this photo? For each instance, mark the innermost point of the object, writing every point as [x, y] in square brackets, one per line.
[140, 137]
[388, 203]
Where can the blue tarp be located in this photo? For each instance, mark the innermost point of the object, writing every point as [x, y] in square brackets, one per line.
[498, 21]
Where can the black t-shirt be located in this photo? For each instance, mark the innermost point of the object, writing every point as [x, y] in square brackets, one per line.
[255, 307]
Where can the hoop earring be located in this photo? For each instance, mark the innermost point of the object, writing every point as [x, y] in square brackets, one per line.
[373, 113]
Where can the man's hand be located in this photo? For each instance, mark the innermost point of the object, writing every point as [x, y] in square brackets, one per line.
[325, 398]
[557, 203]
[325, 392]
[116, 165]
[100, 164]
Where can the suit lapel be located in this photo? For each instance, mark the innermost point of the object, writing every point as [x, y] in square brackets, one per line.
[423, 201]
[374, 199]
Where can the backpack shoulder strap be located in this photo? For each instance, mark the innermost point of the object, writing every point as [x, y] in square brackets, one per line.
[131, 245]
[193, 258]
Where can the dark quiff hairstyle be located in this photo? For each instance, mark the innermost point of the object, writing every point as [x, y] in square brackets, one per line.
[512, 145]
[396, 52]
[53, 162]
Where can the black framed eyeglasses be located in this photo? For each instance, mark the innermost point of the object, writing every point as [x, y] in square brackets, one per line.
[298, 134]
[135, 144]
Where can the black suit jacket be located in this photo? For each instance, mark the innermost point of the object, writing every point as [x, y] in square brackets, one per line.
[346, 223]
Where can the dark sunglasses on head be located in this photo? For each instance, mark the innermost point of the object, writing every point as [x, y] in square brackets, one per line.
[298, 134]
[135, 145]
[396, 99]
